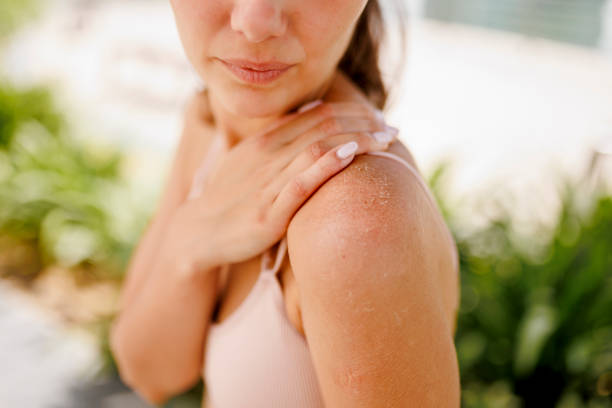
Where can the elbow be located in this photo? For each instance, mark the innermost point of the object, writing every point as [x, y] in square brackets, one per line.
[146, 390]
[152, 397]
[132, 373]
[148, 376]
[126, 368]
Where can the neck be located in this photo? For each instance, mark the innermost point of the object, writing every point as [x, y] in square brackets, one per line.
[236, 128]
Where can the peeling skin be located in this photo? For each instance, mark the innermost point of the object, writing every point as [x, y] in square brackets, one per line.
[350, 380]
[368, 309]
[398, 319]
[367, 179]
[376, 183]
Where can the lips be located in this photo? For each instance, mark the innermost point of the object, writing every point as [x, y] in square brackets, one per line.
[256, 72]
[258, 66]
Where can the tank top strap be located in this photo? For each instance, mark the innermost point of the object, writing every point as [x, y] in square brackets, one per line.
[408, 166]
[396, 158]
[266, 268]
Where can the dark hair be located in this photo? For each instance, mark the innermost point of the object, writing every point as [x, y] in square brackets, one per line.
[361, 59]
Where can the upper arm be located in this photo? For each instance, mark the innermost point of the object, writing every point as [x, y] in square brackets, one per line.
[365, 251]
[173, 194]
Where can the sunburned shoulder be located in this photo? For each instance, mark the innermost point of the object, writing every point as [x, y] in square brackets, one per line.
[376, 211]
[373, 200]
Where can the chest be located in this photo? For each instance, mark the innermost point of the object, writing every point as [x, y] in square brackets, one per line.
[238, 280]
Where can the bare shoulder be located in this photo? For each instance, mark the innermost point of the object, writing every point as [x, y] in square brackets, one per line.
[382, 213]
[378, 191]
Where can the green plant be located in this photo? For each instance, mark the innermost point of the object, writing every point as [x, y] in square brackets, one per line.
[67, 201]
[535, 323]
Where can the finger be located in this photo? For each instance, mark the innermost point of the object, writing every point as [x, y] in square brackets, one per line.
[366, 142]
[332, 127]
[290, 116]
[277, 124]
[327, 129]
[304, 184]
[299, 123]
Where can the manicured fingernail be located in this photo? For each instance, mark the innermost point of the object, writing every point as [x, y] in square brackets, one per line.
[310, 105]
[392, 130]
[380, 115]
[382, 137]
[347, 149]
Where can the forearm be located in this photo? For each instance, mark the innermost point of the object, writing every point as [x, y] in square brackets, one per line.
[145, 255]
[158, 340]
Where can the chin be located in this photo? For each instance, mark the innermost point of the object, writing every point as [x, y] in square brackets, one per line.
[255, 102]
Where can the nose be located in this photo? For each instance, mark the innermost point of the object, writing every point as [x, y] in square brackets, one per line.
[259, 20]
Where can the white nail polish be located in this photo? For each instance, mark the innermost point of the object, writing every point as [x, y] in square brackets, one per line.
[347, 149]
[382, 137]
[380, 115]
[392, 130]
[309, 106]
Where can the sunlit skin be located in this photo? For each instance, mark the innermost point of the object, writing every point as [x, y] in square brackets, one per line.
[375, 267]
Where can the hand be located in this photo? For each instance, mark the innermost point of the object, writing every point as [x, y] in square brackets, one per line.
[248, 201]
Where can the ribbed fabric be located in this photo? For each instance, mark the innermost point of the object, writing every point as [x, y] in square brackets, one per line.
[256, 358]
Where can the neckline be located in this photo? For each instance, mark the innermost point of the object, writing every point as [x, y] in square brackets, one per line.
[266, 258]
[265, 275]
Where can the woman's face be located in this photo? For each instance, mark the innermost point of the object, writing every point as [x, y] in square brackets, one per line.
[309, 35]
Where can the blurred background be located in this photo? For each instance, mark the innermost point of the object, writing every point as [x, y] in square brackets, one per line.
[505, 104]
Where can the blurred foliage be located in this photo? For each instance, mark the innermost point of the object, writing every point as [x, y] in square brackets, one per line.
[65, 201]
[535, 327]
[14, 12]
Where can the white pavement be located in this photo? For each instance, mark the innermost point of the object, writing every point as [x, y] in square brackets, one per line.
[39, 359]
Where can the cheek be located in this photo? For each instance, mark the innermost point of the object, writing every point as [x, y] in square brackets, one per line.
[196, 20]
[327, 27]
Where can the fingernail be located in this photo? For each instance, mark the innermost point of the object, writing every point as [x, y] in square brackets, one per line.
[382, 137]
[309, 106]
[392, 130]
[347, 149]
[380, 115]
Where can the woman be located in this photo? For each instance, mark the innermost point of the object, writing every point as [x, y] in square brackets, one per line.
[285, 153]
